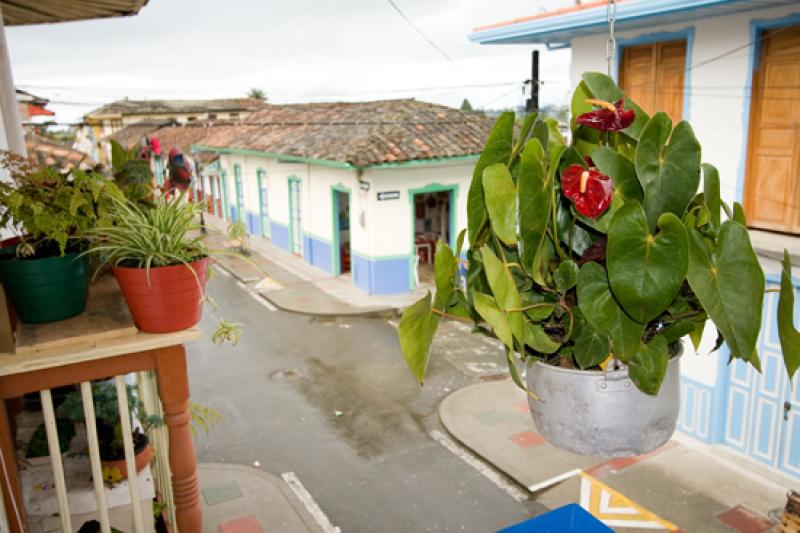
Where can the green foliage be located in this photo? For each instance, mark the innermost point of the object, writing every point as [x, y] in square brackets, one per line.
[106, 412]
[257, 93]
[203, 417]
[554, 285]
[131, 174]
[237, 231]
[38, 447]
[143, 237]
[50, 209]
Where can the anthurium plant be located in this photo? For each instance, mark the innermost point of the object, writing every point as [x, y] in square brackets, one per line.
[609, 248]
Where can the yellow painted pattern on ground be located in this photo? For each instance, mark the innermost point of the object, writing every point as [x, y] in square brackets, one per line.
[616, 509]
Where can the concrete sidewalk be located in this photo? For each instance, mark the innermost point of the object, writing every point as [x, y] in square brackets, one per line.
[683, 486]
[292, 285]
[240, 499]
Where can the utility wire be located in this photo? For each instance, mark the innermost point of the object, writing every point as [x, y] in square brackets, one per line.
[419, 31]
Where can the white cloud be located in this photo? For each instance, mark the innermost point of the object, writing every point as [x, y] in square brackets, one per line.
[296, 51]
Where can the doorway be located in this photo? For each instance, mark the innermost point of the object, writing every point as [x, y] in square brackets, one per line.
[772, 189]
[433, 221]
[295, 218]
[341, 230]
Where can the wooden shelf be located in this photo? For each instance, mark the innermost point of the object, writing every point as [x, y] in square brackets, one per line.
[105, 329]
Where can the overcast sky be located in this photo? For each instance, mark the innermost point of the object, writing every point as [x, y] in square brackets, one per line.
[296, 51]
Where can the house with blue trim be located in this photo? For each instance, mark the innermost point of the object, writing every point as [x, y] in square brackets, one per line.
[365, 188]
[731, 68]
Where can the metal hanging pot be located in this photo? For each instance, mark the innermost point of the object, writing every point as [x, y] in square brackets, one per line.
[603, 414]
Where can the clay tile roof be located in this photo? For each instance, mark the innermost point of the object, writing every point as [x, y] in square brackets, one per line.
[128, 107]
[47, 152]
[130, 135]
[358, 133]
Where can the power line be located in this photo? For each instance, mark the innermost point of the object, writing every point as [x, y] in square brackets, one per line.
[419, 31]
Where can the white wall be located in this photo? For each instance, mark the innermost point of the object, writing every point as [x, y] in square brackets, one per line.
[394, 217]
[717, 107]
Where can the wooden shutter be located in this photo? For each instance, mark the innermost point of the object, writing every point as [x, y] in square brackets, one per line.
[652, 75]
[772, 193]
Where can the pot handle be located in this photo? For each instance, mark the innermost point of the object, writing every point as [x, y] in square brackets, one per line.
[615, 378]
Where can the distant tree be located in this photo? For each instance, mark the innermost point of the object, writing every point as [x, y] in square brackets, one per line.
[466, 106]
[257, 93]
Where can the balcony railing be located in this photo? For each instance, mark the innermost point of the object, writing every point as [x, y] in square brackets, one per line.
[159, 366]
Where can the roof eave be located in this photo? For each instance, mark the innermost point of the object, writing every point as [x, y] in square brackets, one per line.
[559, 29]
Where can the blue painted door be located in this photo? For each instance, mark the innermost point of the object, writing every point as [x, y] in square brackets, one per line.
[237, 176]
[762, 418]
[263, 203]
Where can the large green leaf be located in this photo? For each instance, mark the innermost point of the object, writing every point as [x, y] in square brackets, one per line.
[668, 166]
[501, 201]
[534, 200]
[601, 310]
[591, 346]
[730, 285]
[649, 366]
[646, 271]
[492, 315]
[505, 291]
[711, 195]
[555, 140]
[566, 275]
[539, 340]
[498, 148]
[790, 337]
[620, 170]
[604, 88]
[416, 330]
[445, 269]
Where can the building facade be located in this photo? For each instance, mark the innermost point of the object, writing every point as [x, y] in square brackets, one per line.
[366, 188]
[731, 68]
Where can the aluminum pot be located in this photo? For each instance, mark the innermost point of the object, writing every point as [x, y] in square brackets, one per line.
[603, 414]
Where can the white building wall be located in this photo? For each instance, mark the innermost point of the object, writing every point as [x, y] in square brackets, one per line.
[394, 218]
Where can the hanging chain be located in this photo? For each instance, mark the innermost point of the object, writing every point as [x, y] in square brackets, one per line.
[611, 43]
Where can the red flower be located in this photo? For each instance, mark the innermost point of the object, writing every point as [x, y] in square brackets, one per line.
[611, 117]
[589, 190]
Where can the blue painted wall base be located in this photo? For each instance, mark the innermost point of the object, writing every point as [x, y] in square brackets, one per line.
[380, 276]
[318, 253]
[280, 234]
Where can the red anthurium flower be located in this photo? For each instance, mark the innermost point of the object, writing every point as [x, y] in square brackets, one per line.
[589, 190]
[610, 117]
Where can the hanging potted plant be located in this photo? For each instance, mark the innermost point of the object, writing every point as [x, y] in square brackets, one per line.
[109, 428]
[42, 269]
[591, 261]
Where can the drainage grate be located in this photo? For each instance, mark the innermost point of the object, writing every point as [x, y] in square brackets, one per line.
[286, 375]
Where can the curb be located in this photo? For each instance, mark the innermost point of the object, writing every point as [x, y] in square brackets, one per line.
[233, 273]
[385, 312]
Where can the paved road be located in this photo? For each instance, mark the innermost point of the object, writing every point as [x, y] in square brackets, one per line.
[355, 428]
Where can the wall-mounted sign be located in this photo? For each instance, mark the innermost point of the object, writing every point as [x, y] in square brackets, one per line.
[388, 195]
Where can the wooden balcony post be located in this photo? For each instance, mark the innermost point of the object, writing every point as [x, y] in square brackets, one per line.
[12, 492]
[173, 386]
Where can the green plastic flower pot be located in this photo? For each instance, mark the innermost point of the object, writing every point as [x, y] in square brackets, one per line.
[47, 289]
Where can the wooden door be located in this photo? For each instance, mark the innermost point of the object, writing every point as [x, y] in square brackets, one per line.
[772, 190]
[652, 75]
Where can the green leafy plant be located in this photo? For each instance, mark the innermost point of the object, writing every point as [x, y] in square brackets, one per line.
[203, 417]
[601, 249]
[38, 447]
[132, 174]
[106, 411]
[50, 210]
[237, 232]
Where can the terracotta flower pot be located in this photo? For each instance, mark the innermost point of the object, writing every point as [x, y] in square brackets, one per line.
[143, 459]
[171, 301]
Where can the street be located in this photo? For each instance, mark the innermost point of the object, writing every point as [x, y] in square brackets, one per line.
[347, 417]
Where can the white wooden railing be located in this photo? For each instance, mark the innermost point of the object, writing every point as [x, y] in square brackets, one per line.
[148, 395]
